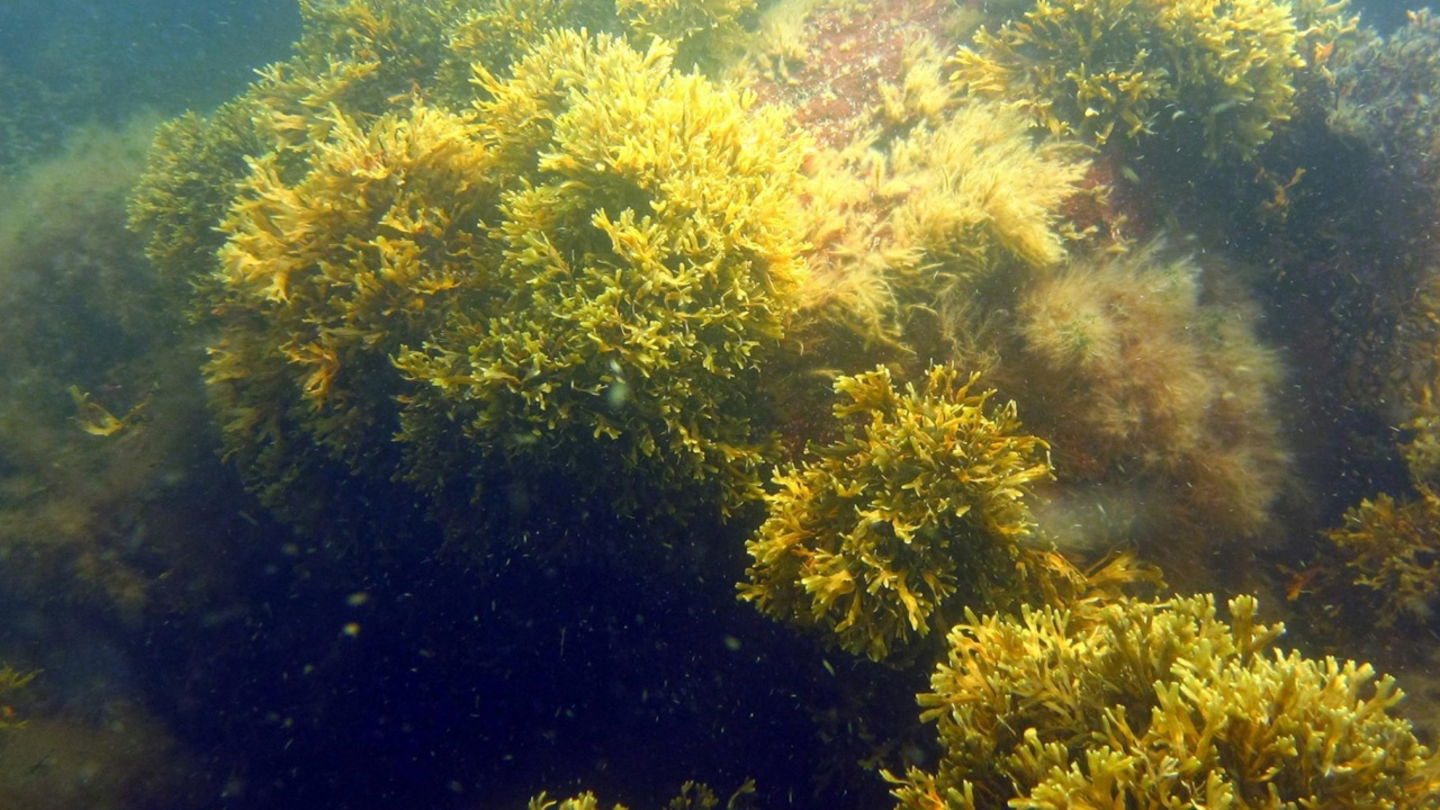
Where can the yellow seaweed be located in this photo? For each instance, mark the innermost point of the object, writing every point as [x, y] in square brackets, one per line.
[1121, 70]
[919, 502]
[1139, 704]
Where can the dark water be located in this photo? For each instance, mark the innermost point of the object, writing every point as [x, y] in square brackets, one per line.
[197, 651]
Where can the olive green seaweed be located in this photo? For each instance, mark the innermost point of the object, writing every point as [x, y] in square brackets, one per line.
[1122, 70]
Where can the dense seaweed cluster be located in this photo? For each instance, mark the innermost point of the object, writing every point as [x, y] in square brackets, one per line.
[1224, 73]
[1156, 705]
[647, 262]
[916, 511]
[591, 317]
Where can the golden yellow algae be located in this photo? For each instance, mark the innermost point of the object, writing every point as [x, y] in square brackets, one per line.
[565, 286]
[362, 58]
[649, 254]
[584, 801]
[497, 32]
[692, 796]
[1138, 704]
[366, 54]
[1390, 549]
[921, 500]
[922, 94]
[1221, 71]
[97, 420]
[979, 191]
[11, 680]
[323, 277]
[703, 30]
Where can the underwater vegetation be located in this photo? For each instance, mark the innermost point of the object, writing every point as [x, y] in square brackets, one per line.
[648, 265]
[945, 231]
[1117, 71]
[99, 420]
[1383, 99]
[1145, 371]
[902, 236]
[918, 509]
[584, 801]
[362, 59]
[12, 680]
[540, 324]
[1390, 548]
[692, 796]
[916, 513]
[125, 759]
[115, 513]
[509, 270]
[1140, 704]
[1379, 561]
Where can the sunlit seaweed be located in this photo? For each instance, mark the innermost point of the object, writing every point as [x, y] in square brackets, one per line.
[1156, 705]
[902, 234]
[589, 266]
[649, 258]
[920, 505]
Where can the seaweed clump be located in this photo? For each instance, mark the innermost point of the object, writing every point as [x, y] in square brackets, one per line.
[1381, 561]
[582, 801]
[692, 796]
[1147, 373]
[1138, 704]
[364, 59]
[1391, 550]
[12, 680]
[1120, 70]
[580, 275]
[918, 507]
[647, 263]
